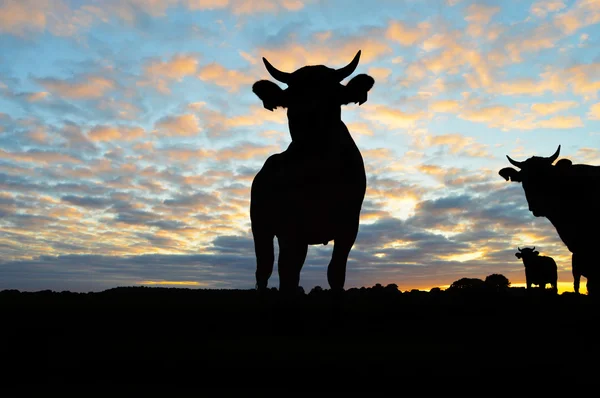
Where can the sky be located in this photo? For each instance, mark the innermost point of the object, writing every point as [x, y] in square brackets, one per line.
[129, 134]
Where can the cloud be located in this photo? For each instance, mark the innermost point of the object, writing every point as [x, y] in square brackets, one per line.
[158, 73]
[334, 53]
[390, 117]
[115, 133]
[478, 16]
[552, 107]
[456, 144]
[36, 156]
[232, 80]
[80, 87]
[445, 106]
[594, 113]
[406, 35]
[245, 151]
[544, 7]
[20, 17]
[186, 125]
[583, 13]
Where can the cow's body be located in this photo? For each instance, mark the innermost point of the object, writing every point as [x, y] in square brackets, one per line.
[312, 192]
[539, 270]
[568, 195]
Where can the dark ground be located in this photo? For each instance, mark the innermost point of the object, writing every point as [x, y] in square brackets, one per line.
[238, 339]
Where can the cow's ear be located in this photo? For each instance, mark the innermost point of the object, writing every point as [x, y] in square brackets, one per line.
[518, 255]
[357, 88]
[536, 252]
[563, 163]
[510, 173]
[270, 93]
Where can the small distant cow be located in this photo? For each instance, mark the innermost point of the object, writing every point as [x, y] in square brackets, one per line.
[539, 270]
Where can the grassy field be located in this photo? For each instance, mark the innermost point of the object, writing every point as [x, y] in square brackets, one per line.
[367, 333]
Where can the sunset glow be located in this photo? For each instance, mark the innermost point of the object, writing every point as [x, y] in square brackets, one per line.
[129, 134]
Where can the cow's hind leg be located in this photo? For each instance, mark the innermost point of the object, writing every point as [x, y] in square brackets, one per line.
[289, 264]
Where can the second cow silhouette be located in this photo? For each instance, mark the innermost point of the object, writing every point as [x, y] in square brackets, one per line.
[312, 192]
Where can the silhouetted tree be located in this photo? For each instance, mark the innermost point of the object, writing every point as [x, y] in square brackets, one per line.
[497, 282]
[467, 284]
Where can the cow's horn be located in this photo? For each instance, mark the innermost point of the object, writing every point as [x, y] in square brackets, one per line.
[347, 70]
[519, 249]
[514, 162]
[283, 77]
[533, 248]
[555, 156]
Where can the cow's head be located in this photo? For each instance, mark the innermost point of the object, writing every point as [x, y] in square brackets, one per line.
[526, 252]
[314, 95]
[539, 178]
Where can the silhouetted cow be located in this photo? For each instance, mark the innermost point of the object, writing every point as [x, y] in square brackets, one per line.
[312, 192]
[568, 195]
[539, 270]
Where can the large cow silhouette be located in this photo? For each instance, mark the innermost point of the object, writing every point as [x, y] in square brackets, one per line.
[312, 192]
[568, 195]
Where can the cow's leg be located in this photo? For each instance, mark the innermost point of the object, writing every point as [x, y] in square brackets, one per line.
[343, 242]
[265, 257]
[576, 273]
[542, 285]
[292, 255]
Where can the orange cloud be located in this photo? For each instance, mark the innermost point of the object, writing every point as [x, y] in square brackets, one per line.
[489, 114]
[583, 13]
[181, 125]
[331, 53]
[45, 157]
[245, 151]
[87, 87]
[478, 16]
[390, 117]
[159, 73]
[230, 79]
[380, 74]
[544, 7]
[407, 36]
[456, 144]
[445, 106]
[552, 107]
[34, 97]
[111, 133]
[594, 113]
[20, 17]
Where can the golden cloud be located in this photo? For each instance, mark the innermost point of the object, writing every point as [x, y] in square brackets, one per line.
[245, 151]
[20, 17]
[35, 97]
[594, 113]
[45, 157]
[390, 117]
[115, 133]
[219, 75]
[544, 7]
[89, 87]
[181, 125]
[331, 53]
[583, 13]
[158, 73]
[445, 106]
[552, 107]
[407, 36]
[379, 74]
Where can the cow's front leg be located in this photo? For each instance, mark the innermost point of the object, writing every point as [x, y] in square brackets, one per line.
[292, 255]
